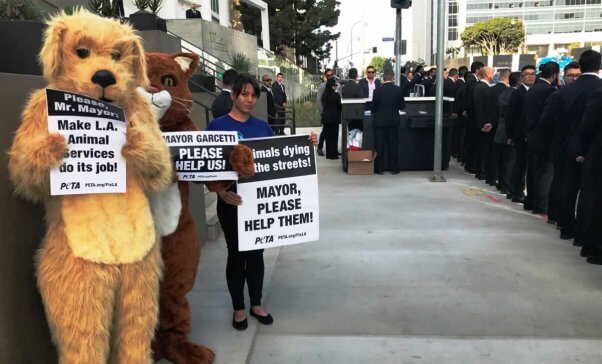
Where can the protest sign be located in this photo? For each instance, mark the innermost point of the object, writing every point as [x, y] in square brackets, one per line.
[202, 155]
[280, 202]
[95, 133]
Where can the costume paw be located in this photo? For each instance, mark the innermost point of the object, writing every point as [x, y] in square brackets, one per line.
[131, 148]
[186, 352]
[52, 152]
[241, 158]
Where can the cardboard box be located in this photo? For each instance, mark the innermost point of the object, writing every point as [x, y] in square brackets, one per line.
[360, 162]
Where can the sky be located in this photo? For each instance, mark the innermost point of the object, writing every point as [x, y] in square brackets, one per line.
[375, 19]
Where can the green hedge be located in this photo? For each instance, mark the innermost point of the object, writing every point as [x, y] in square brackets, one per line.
[307, 114]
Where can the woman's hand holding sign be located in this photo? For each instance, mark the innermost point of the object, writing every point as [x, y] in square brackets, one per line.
[313, 138]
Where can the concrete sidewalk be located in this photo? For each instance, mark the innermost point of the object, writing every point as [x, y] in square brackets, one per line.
[409, 271]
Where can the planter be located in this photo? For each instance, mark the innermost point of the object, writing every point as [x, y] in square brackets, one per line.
[143, 20]
[197, 80]
[20, 44]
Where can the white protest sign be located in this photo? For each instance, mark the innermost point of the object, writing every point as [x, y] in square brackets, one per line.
[95, 133]
[202, 155]
[280, 202]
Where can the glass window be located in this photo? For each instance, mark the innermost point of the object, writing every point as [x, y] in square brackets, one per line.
[452, 34]
[215, 6]
[453, 21]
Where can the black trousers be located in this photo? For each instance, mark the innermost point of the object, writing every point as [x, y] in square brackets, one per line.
[459, 136]
[519, 171]
[386, 139]
[593, 228]
[241, 266]
[279, 120]
[470, 146]
[555, 195]
[503, 158]
[585, 203]
[331, 137]
[540, 173]
[483, 155]
[570, 191]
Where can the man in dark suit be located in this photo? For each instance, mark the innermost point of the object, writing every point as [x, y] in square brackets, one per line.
[459, 131]
[516, 127]
[279, 92]
[387, 103]
[449, 83]
[428, 81]
[223, 102]
[193, 13]
[591, 154]
[563, 122]
[503, 151]
[404, 83]
[351, 90]
[266, 86]
[492, 96]
[369, 84]
[539, 167]
[470, 142]
[417, 77]
[483, 124]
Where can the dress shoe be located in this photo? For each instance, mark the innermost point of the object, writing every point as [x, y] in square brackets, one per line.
[552, 222]
[577, 242]
[266, 320]
[585, 252]
[491, 183]
[538, 211]
[518, 199]
[504, 191]
[240, 325]
[527, 206]
[320, 152]
[480, 177]
[566, 235]
[509, 196]
[594, 260]
[395, 172]
[379, 172]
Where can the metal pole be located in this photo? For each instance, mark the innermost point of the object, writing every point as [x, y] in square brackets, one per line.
[397, 46]
[438, 177]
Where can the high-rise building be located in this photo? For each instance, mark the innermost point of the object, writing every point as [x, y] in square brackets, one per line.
[550, 24]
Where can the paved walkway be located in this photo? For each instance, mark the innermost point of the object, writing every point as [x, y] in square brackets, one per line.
[409, 271]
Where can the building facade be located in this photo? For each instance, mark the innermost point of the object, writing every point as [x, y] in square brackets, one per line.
[550, 24]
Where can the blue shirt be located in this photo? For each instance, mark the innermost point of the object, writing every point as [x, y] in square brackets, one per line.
[252, 128]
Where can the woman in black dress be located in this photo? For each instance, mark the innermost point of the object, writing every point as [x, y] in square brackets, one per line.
[331, 118]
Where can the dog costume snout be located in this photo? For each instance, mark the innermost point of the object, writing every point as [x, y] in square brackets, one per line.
[104, 78]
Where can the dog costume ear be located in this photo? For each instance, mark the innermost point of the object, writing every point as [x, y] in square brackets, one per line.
[51, 53]
[139, 63]
[188, 62]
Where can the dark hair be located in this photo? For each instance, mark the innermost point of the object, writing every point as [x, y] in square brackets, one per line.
[419, 68]
[453, 72]
[229, 77]
[327, 70]
[475, 66]
[402, 70]
[589, 61]
[279, 74]
[241, 83]
[388, 75]
[462, 71]
[352, 75]
[541, 66]
[328, 91]
[550, 69]
[527, 67]
[571, 66]
[514, 78]
[371, 66]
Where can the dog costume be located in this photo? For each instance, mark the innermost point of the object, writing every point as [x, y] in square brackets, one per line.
[181, 250]
[99, 265]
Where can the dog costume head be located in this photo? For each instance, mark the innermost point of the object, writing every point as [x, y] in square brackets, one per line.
[93, 56]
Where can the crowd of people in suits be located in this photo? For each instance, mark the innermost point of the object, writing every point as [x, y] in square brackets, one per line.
[276, 99]
[531, 132]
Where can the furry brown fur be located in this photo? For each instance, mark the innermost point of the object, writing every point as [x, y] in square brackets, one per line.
[96, 280]
[181, 250]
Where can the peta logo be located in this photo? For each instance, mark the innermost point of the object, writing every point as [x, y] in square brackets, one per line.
[70, 186]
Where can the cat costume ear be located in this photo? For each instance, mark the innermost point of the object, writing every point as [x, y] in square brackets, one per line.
[188, 62]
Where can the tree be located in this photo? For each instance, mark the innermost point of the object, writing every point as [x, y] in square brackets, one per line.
[378, 62]
[411, 65]
[296, 24]
[495, 36]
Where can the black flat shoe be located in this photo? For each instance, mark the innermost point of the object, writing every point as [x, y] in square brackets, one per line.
[240, 325]
[594, 260]
[266, 320]
[320, 152]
